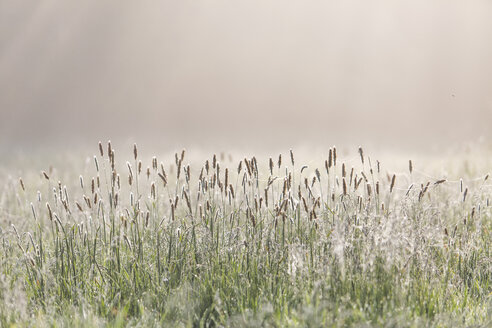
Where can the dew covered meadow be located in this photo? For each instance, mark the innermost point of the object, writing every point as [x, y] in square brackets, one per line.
[287, 240]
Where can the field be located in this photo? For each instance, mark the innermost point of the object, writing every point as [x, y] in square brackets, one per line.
[234, 240]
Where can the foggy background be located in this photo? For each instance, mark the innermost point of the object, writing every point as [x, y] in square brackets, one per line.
[258, 73]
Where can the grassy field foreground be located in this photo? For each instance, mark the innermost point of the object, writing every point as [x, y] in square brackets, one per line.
[248, 241]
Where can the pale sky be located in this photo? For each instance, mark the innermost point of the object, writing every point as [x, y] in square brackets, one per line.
[245, 71]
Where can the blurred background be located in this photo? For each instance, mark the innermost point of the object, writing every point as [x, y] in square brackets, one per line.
[245, 73]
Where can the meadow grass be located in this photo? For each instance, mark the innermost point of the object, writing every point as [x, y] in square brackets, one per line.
[250, 242]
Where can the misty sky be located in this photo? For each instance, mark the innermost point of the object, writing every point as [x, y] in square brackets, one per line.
[234, 71]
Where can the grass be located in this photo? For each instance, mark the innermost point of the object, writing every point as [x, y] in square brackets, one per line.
[262, 243]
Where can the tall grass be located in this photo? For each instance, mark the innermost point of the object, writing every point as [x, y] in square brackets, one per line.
[246, 243]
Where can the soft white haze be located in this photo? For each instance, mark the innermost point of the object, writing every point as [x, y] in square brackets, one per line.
[235, 72]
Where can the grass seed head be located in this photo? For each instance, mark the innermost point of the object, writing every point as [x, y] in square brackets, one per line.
[392, 183]
[22, 184]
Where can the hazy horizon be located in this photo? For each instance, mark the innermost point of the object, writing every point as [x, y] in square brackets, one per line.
[245, 73]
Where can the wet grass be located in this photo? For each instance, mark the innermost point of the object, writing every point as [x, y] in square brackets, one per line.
[256, 242]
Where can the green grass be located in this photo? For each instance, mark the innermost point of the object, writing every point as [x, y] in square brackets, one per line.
[312, 255]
